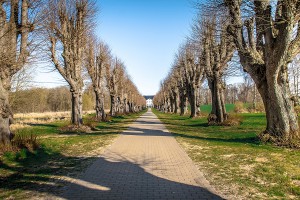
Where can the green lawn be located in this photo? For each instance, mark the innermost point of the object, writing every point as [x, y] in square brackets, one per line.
[207, 108]
[25, 175]
[234, 161]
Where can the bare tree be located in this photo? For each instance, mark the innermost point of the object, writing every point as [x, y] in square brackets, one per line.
[267, 37]
[114, 74]
[69, 24]
[17, 21]
[99, 58]
[193, 73]
[182, 90]
[218, 49]
[174, 94]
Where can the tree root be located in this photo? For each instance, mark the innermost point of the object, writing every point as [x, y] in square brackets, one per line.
[291, 142]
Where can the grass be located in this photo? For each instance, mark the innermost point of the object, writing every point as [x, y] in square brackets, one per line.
[62, 156]
[207, 108]
[234, 160]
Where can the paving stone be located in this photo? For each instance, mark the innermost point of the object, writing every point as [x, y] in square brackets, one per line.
[146, 163]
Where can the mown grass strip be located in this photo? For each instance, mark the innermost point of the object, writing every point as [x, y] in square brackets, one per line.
[42, 173]
[235, 161]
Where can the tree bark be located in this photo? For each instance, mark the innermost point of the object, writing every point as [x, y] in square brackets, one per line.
[112, 105]
[76, 117]
[100, 112]
[282, 120]
[182, 104]
[218, 113]
[5, 117]
[15, 26]
[175, 103]
[192, 100]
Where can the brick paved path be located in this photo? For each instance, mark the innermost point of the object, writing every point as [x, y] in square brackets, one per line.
[145, 162]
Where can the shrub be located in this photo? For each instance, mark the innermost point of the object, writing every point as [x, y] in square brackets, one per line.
[25, 141]
[260, 107]
[239, 107]
[91, 121]
[233, 120]
[20, 144]
[257, 108]
[108, 118]
[75, 129]
[297, 109]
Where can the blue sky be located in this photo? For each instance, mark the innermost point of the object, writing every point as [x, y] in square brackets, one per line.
[145, 34]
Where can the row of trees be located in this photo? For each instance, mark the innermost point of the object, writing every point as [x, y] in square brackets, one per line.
[69, 27]
[66, 29]
[266, 37]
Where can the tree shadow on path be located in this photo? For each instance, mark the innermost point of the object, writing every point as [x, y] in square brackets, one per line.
[104, 179]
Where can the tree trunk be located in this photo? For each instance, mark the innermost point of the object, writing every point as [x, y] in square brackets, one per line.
[182, 105]
[192, 101]
[112, 105]
[175, 105]
[175, 101]
[254, 98]
[100, 113]
[282, 120]
[172, 104]
[126, 107]
[218, 113]
[76, 115]
[5, 117]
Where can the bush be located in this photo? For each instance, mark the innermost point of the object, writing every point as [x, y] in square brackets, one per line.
[91, 121]
[20, 144]
[233, 120]
[297, 109]
[239, 107]
[75, 129]
[25, 141]
[108, 118]
[258, 108]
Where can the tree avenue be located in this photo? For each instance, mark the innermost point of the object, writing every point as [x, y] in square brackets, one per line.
[266, 36]
[66, 27]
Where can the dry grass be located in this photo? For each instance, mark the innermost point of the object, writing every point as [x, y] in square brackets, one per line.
[24, 120]
[44, 115]
[233, 120]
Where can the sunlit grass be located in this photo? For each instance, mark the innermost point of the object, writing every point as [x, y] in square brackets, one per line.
[25, 174]
[207, 108]
[235, 161]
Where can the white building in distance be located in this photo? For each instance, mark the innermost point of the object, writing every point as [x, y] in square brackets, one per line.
[149, 101]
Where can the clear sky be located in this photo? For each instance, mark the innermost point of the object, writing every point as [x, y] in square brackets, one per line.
[145, 34]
